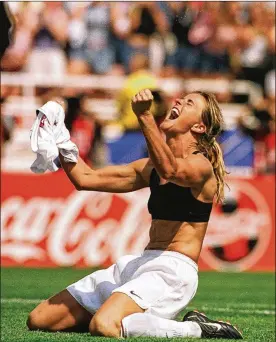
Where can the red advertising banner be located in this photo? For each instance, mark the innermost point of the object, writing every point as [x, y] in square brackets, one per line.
[45, 222]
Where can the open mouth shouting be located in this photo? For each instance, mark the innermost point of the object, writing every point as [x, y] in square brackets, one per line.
[174, 114]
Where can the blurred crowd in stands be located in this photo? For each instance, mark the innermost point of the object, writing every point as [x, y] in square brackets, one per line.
[144, 41]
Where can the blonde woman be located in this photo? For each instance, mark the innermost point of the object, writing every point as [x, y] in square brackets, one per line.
[141, 295]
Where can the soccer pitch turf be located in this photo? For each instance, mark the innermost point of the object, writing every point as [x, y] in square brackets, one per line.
[245, 299]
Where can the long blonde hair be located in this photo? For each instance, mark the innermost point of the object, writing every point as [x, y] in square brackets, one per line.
[207, 143]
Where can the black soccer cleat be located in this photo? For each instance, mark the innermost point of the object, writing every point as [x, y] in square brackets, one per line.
[211, 328]
[218, 329]
[195, 316]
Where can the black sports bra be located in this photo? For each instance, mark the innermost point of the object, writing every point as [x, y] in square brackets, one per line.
[175, 203]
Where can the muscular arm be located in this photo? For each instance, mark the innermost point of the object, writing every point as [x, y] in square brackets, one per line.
[116, 179]
[160, 153]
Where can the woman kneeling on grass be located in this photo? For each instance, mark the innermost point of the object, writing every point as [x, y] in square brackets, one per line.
[142, 295]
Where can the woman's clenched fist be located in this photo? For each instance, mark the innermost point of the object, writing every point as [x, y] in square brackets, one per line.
[141, 102]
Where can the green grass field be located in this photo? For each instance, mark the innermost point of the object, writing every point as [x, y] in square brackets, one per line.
[247, 300]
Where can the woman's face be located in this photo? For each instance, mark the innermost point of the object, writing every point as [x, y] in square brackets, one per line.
[185, 115]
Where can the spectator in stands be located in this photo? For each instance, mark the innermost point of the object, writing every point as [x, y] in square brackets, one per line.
[215, 38]
[270, 85]
[17, 53]
[50, 23]
[261, 16]
[81, 125]
[90, 48]
[121, 27]
[259, 123]
[183, 56]
[7, 124]
[269, 64]
[139, 78]
[251, 50]
[146, 23]
[255, 45]
[234, 13]
[124, 139]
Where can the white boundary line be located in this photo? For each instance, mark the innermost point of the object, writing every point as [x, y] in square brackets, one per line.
[21, 300]
[237, 310]
[232, 308]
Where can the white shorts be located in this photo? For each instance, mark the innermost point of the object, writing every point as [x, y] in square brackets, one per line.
[160, 282]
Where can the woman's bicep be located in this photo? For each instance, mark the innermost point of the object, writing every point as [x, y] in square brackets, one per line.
[115, 178]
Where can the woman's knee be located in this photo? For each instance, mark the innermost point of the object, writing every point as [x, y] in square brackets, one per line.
[102, 325]
[34, 321]
[59, 313]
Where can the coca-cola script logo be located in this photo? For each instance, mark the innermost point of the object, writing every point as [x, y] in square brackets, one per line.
[95, 229]
[85, 229]
[238, 237]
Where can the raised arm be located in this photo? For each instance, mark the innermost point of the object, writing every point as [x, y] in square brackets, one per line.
[116, 179]
[192, 171]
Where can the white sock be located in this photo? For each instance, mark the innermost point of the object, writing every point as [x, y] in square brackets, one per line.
[143, 324]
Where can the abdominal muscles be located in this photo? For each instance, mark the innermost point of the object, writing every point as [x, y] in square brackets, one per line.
[181, 237]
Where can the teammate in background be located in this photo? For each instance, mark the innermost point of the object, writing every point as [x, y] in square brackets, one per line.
[141, 295]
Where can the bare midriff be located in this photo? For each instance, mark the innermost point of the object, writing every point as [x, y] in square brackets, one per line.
[176, 236]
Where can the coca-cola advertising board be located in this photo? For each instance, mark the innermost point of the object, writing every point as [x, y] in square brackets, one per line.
[45, 222]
